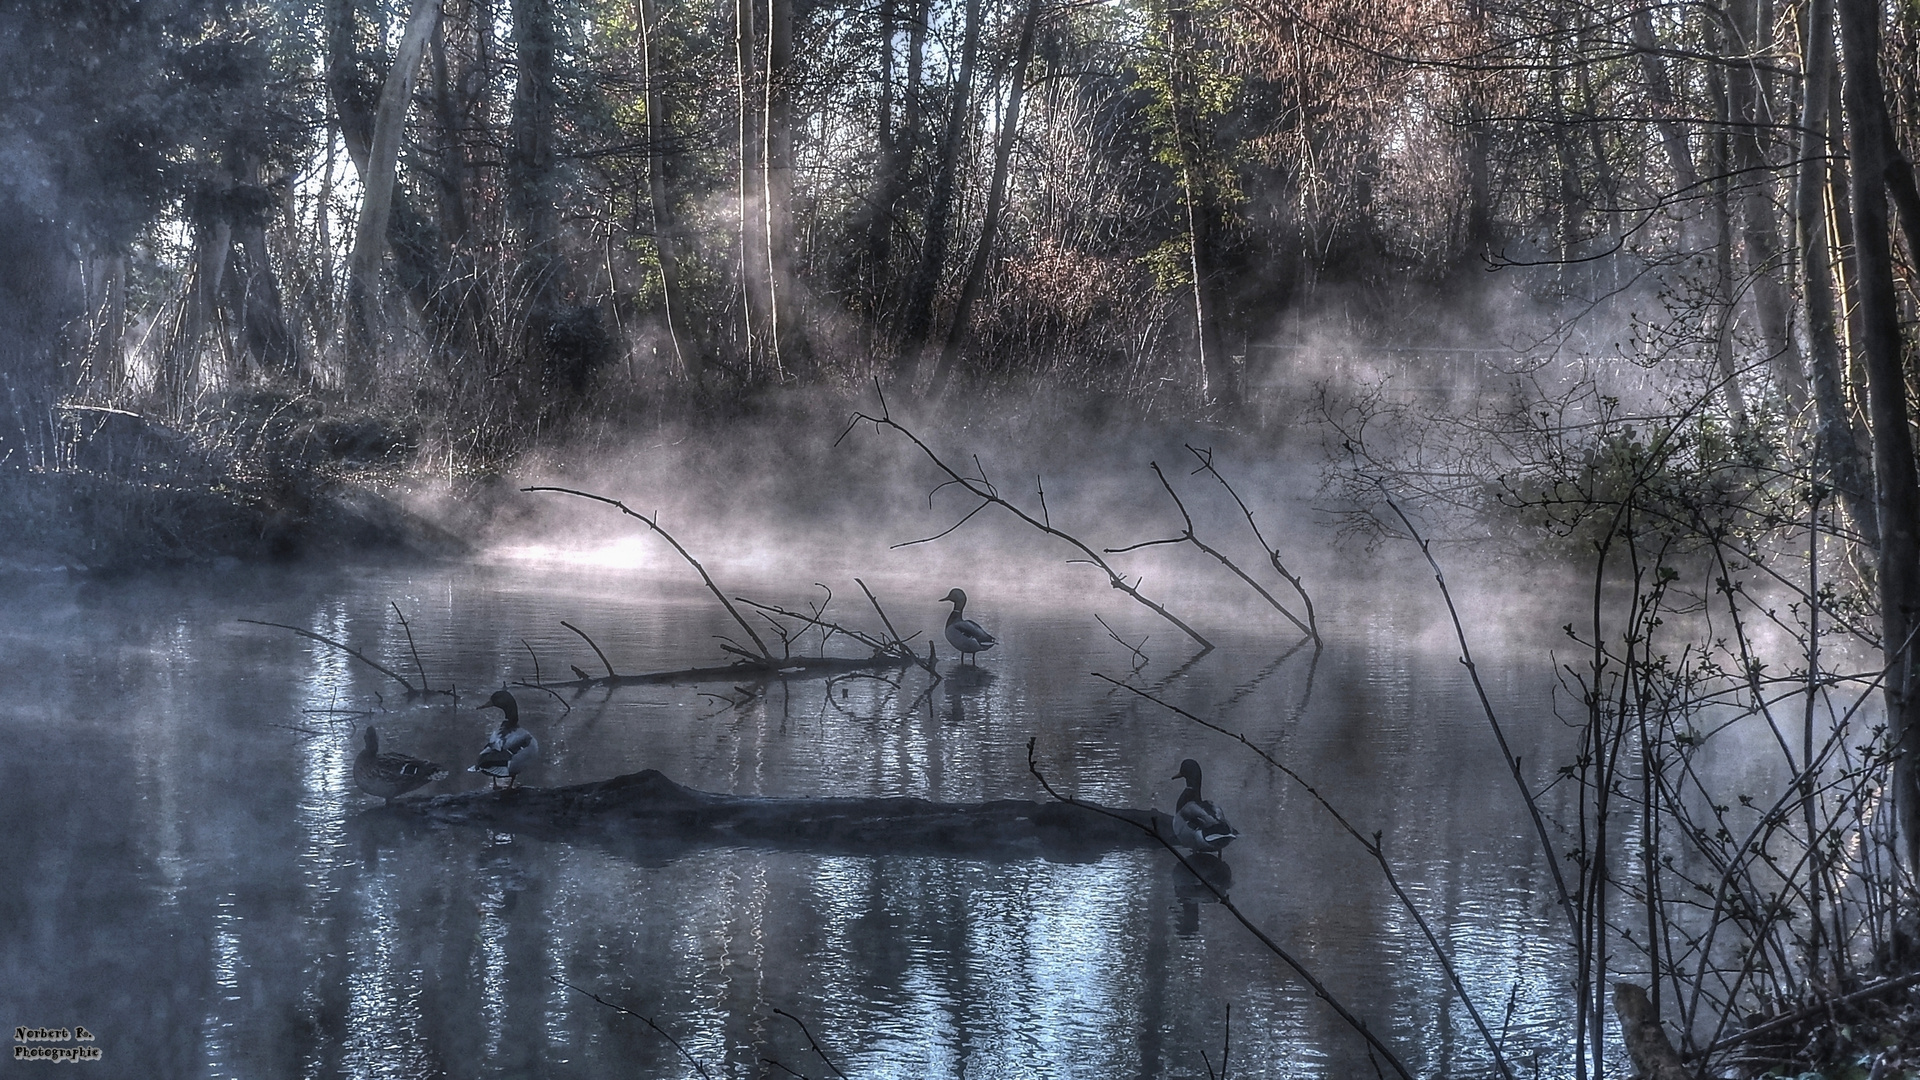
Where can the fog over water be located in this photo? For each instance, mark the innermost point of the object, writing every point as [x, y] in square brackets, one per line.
[200, 882]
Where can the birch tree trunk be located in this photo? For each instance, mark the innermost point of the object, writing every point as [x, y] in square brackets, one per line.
[376, 203]
[666, 231]
[1217, 385]
[777, 181]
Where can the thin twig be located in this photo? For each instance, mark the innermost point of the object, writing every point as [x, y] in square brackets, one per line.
[1486, 706]
[348, 649]
[422, 668]
[691, 1060]
[812, 1042]
[537, 680]
[1140, 658]
[611, 674]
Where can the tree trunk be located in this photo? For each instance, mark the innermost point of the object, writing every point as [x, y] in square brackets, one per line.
[666, 231]
[876, 217]
[1723, 307]
[1215, 371]
[996, 198]
[777, 181]
[1838, 442]
[109, 355]
[1906, 199]
[1760, 234]
[1653, 70]
[918, 321]
[383, 153]
[382, 165]
[753, 261]
[1869, 136]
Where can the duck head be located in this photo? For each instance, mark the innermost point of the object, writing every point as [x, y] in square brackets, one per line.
[957, 598]
[1190, 772]
[505, 703]
[373, 742]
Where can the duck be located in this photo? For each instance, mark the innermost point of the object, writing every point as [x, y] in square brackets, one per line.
[511, 749]
[963, 633]
[390, 775]
[1198, 824]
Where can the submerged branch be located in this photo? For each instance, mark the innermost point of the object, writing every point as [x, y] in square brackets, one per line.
[747, 667]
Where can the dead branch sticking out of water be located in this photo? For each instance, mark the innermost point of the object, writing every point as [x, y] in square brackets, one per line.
[357, 655]
[894, 647]
[982, 488]
[1273, 553]
[1140, 659]
[1187, 537]
[812, 1042]
[1547, 848]
[596, 649]
[651, 523]
[1319, 988]
[1373, 846]
[799, 667]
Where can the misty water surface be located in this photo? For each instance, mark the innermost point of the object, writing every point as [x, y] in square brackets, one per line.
[196, 878]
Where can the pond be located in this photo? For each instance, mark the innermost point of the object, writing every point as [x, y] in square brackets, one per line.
[196, 878]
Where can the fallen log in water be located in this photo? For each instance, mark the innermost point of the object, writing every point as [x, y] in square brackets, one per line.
[647, 811]
[798, 667]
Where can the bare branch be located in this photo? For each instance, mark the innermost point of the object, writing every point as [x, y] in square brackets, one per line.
[611, 674]
[691, 561]
[1273, 553]
[348, 649]
[662, 1032]
[418, 666]
[983, 489]
[1486, 706]
[812, 1042]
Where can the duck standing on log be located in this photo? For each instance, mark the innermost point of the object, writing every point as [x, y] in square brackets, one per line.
[1197, 823]
[389, 775]
[963, 633]
[511, 749]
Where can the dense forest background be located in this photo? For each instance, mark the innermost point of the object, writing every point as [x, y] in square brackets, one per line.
[475, 219]
[251, 245]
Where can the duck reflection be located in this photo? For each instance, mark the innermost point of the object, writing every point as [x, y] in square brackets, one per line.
[964, 685]
[1203, 880]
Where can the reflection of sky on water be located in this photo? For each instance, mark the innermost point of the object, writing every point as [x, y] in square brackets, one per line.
[309, 934]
